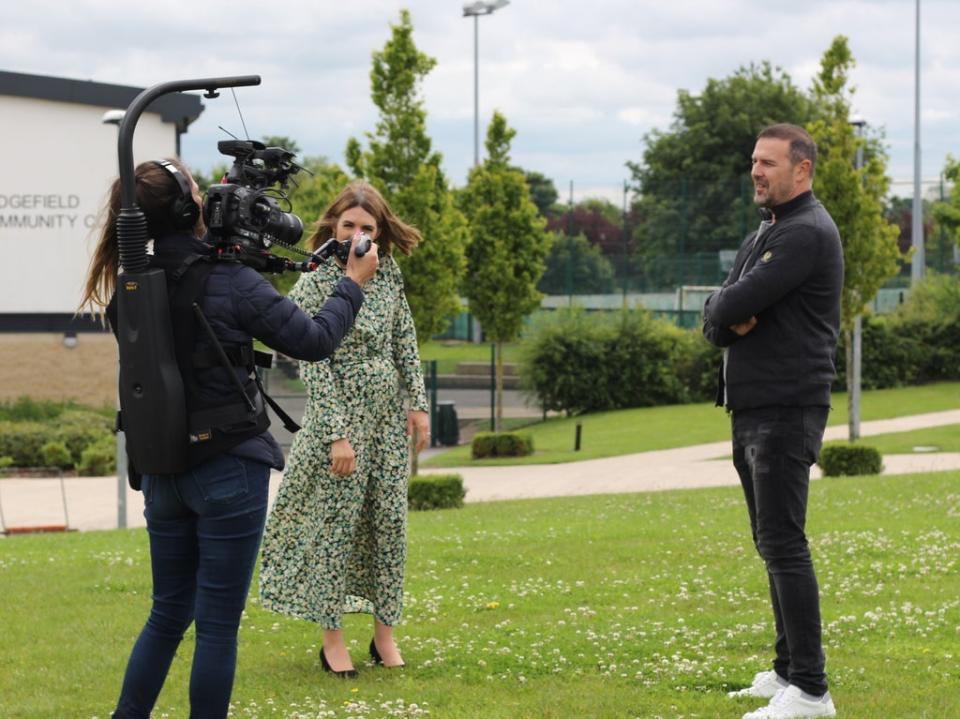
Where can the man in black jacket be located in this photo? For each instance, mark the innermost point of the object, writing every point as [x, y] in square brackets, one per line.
[777, 317]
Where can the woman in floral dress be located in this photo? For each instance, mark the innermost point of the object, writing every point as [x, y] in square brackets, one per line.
[335, 540]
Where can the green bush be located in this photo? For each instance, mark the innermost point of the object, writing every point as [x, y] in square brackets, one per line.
[26, 409]
[849, 460]
[502, 444]
[5, 461]
[56, 454]
[580, 362]
[22, 441]
[99, 459]
[437, 491]
[75, 429]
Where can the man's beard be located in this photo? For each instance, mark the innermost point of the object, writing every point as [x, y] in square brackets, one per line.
[766, 200]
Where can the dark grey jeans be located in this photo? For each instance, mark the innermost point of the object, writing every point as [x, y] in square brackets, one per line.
[773, 449]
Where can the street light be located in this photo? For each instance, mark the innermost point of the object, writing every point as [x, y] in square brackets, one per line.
[854, 344]
[475, 10]
[115, 117]
[918, 261]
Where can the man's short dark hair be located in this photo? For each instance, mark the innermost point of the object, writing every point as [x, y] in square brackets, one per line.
[802, 146]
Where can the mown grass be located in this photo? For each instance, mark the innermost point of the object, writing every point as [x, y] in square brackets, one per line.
[609, 434]
[450, 353]
[642, 605]
[931, 439]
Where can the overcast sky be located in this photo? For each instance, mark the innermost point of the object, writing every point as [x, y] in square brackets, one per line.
[581, 82]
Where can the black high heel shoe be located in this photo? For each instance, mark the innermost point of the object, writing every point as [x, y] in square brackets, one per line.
[345, 674]
[377, 659]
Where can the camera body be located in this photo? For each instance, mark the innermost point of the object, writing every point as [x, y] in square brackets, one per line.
[243, 213]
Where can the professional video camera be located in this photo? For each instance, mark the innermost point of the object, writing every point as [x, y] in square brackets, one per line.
[243, 213]
[244, 217]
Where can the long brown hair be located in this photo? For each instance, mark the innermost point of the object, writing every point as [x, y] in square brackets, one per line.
[155, 191]
[394, 232]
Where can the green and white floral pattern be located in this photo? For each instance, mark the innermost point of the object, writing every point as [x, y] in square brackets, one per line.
[336, 545]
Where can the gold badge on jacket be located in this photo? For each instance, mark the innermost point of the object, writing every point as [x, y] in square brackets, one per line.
[767, 256]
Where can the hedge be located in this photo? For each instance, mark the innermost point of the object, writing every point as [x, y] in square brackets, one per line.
[56, 454]
[74, 429]
[590, 362]
[99, 459]
[503, 444]
[436, 491]
[850, 460]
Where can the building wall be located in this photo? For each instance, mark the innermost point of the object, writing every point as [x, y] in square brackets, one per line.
[58, 162]
[64, 159]
[40, 366]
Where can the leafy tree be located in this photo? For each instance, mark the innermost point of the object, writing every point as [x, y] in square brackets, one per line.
[946, 213]
[575, 266]
[600, 221]
[543, 193]
[507, 247]
[694, 178]
[853, 196]
[399, 161]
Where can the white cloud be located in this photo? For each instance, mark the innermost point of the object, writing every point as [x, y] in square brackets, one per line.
[581, 82]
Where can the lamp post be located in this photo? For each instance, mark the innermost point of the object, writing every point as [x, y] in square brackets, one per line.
[854, 342]
[918, 261]
[475, 10]
[115, 117]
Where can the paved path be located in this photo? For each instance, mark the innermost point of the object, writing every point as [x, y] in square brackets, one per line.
[92, 501]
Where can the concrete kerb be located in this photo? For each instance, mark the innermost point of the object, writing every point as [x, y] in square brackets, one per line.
[93, 500]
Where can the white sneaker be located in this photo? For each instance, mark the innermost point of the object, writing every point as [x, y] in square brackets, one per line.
[765, 685]
[793, 703]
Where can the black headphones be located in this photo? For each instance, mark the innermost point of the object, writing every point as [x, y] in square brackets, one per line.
[184, 210]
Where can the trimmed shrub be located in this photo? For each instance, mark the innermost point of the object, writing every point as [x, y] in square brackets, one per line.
[56, 454]
[99, 459]
[22, 441]
[503, 444]
[849, 460]
[75, 429]
[436, 491]
[578, 362]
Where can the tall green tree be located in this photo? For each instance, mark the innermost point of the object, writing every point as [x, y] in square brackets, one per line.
[543, 192]
[853, 196]
[694, 179]
[507, 248]
[575, 266]
[946, 211]
[400, 162]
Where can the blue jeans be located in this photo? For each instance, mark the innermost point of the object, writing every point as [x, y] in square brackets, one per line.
[205, 527]
[773, 448]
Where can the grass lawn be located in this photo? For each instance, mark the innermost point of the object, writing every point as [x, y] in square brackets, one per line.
[934, 439]
[450, 353]
[642, 605]
[608, 434]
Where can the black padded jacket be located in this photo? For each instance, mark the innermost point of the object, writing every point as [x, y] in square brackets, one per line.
[240, 304]
[790, 280]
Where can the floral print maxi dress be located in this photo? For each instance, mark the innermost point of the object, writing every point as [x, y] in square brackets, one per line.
[336, 545]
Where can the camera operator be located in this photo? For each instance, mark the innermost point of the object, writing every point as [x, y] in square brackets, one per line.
[205, 524]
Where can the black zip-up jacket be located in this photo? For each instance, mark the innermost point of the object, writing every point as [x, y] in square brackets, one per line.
[791, 282]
